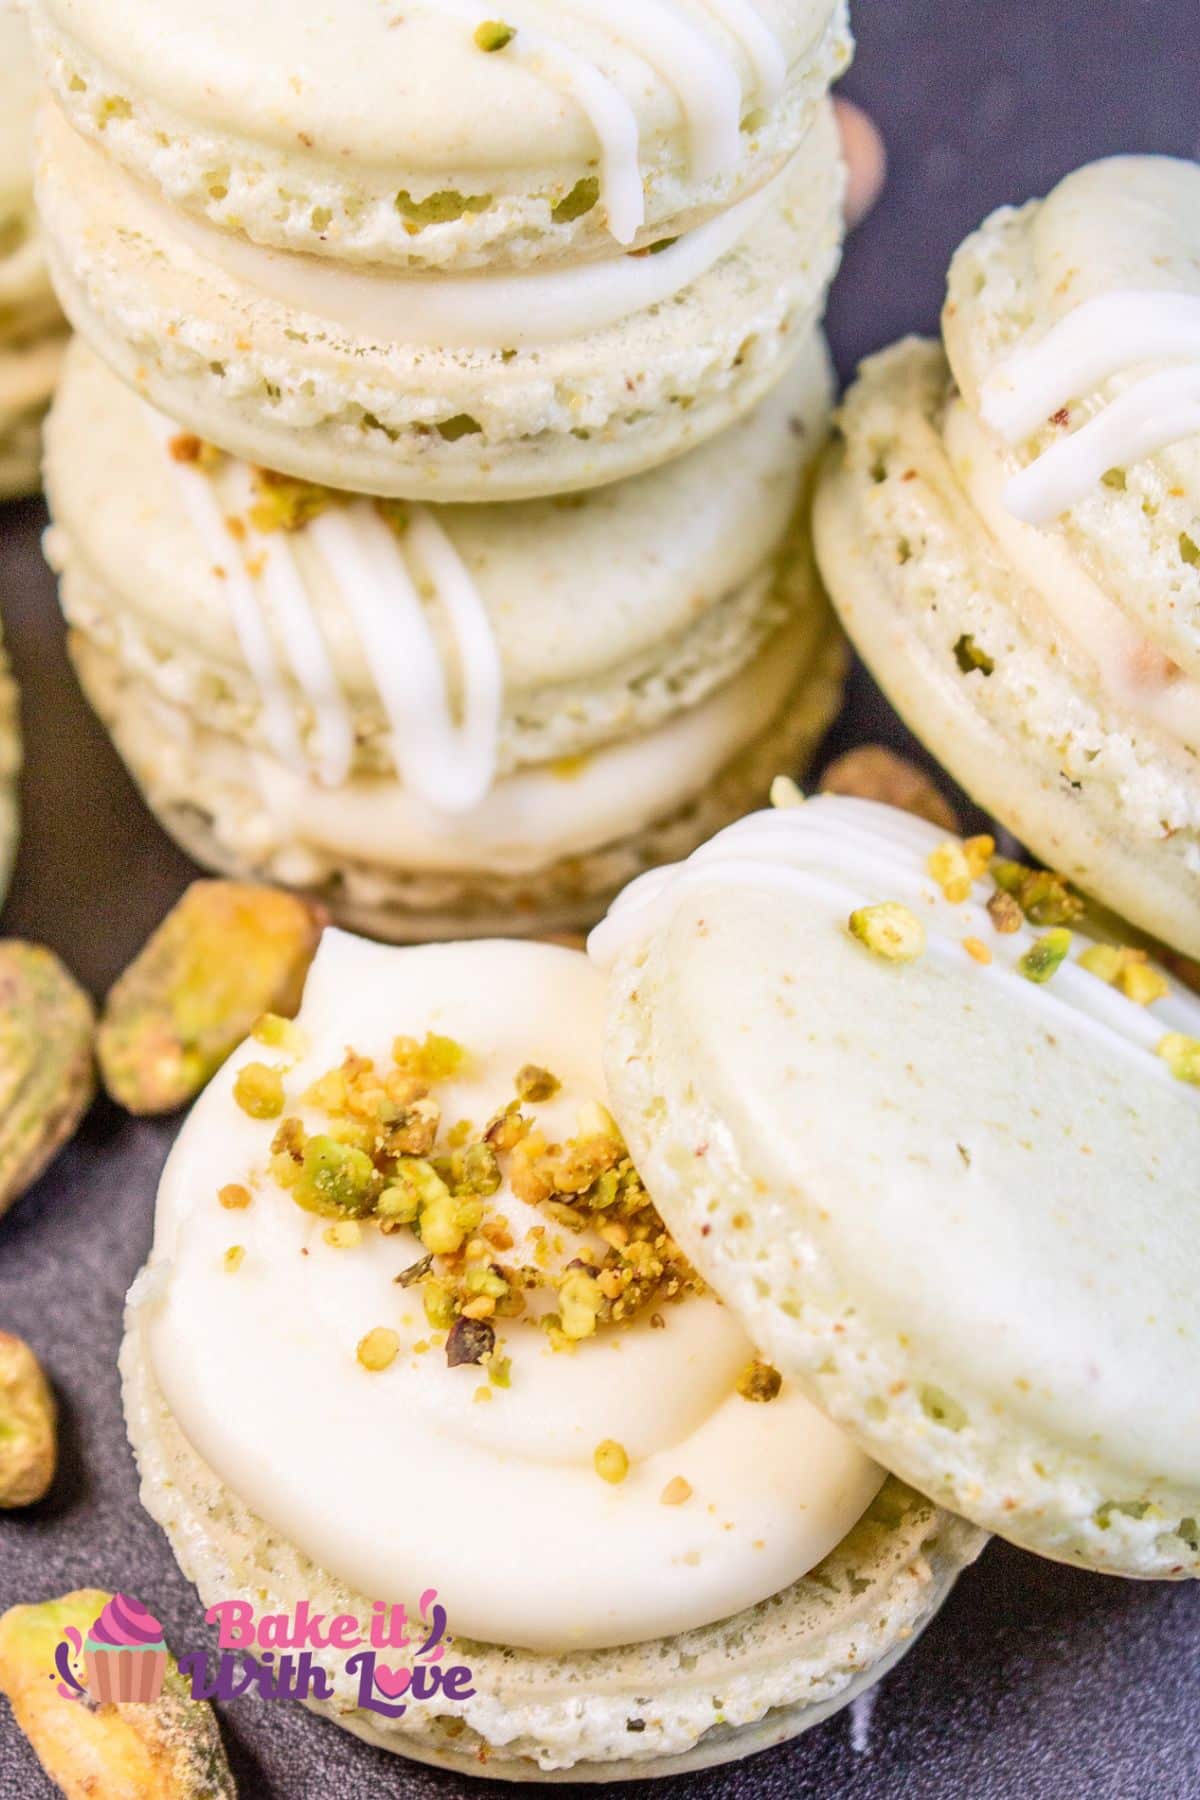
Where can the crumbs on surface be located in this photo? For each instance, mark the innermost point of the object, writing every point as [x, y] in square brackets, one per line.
[889, 930]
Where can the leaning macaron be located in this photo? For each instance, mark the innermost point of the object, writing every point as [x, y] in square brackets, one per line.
[430, 1262]
[444, 720]
[31, 326]
[938, 1158]
[1010, 529]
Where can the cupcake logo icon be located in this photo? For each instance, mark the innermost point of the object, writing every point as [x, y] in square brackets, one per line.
[122, 1658]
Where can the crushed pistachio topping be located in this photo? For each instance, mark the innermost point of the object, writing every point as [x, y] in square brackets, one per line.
[274, 1033]
[286, 503]
[233, 1196]
[258, 1090]
[378, 1349]
[956, 867]
[889, 930]
[677, 1490]
[611, 1461]
[234, 1258]
[1127, 969]
[1182, 1056]
[494, 35]
[759, 1381]
[383, 1157]
[977, 950]
[1043, 959]
[1043, 897]
[1005, 913]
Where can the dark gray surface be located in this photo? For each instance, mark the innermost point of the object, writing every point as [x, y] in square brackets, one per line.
[1036, 1681]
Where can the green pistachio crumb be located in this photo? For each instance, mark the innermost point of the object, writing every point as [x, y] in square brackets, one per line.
[889, 930]
[494, 35]
[258, 1090]
[970, 658]
[1042, 959]
[534, 1083]
[581, 199]
[1182, 1056]
[611, 1461]
[759, 1381]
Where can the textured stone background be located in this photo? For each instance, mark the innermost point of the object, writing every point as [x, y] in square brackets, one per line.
[1036, 1681]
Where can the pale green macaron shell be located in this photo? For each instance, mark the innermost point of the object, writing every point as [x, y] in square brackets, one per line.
[1053, 668]
[953, 1203]
[31, 336]
[311, 368]
[386, 135]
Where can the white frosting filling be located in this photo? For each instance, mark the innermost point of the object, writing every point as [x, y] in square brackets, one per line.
[844, 850]
[399, 1480]
[1101, 337]
[1132, 671]
[488, 312]
[535, 815]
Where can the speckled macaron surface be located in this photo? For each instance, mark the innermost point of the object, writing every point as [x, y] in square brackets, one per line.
[1011, 532]
[447, 388]
[939, 1159]
[30, 322]
[407, 135]
[596, 671]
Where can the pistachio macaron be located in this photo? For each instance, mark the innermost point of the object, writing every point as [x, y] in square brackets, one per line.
[652, 1554]
[31, 326]
[444, 720]
[938, 1155]
[1009, 526]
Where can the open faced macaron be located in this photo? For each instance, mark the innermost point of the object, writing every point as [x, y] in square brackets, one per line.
[932, 1135]
[426, 252]
[411, 1321]
[1010, 529]
[444, 720]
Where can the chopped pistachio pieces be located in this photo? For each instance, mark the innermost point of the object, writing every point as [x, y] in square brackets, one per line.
[1005, 913]
[383, 1160]
[759, 1381]
[611, 1461]
[889, 930]
[971, 659]
[956, 867]
[378, 1349]
[1043, 897]
[1043, 959]
[677, 1490]
[494, 35]
[234, 1196]
[258, 1090]
[234, 1257]
[1182, 1056]
[1127, 969]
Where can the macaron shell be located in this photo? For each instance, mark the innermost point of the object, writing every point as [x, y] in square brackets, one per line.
[778, 1668]
[325, 134]
[298, 392]
[1074, 765]
[953, 1204]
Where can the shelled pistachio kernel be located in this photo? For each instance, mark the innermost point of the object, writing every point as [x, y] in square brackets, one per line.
[378, 1349]
[611, 1461]
[1128, 970]
[889, 930]
[258, 1090]
[1182, 1056]
[1046, 957]
[493, 35]
[956, 866]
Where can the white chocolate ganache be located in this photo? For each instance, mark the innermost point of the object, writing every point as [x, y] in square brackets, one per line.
[314, 1384]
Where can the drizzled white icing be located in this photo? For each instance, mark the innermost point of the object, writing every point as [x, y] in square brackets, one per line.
[492, 312]
[1100, 338]
[850, 853]
[449, 763]
[705, 81]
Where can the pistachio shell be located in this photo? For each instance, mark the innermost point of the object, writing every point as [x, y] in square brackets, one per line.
[28, 1425]
[47, 1078]
[225, 954]
[873, 772]
[170, 1749]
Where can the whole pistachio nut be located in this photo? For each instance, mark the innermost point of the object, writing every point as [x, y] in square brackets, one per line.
[224, 955]
[168, 1749]
[47, 1072]
[28, 1425]
[873, 772]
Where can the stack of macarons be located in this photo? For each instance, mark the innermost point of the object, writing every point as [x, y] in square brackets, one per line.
[432, 523]
[32, 333]
[1009, 526]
